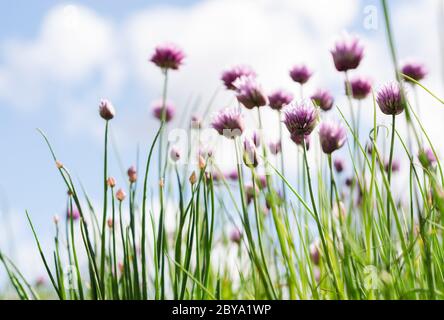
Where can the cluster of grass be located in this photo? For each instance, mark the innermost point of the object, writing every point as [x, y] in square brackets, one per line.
[320, 240]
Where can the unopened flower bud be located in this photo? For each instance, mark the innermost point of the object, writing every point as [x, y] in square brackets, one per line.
[106, 110]
[110, 223]
[111, 182]
[59, 165]
[193, 178]
[120, 195]
[132, 174]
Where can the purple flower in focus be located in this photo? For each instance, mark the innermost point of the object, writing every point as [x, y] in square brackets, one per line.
[360, 87]
[347, 53]
[300, 119]
[427, 157]
[323, 99]
[231, 75]
[229, 123]
[168, 56]
[339, 165]
[300, 73]
[279, 98]
[390, 99]
[249, 92]
[332, 136]
[160, 112]
[275, 147]
[106, 110]
[414, 70]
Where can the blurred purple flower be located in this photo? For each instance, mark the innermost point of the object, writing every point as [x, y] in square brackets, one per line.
[168, 56]
[249, 92]
[196, 122]
[229, 122]
[390, 99]
[427, 157]
[250, 192]
[314, 252]
[232, 175]
[231, 75]
[414, 70]
[332, 136]
[323, 99]
[255, 137]
[300, 73]
[132, 174]
[236, 235]
[396, 165]
[275, 147]
[339, 165]
[347, 53]
[360, 87]
[159, 111]
[75, 214]
[279, 98]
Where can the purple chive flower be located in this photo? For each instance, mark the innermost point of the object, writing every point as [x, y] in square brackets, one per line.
[396, 165]
[347, 53]
[74, 214]
[414, 70]
[300, 73]
[236, 235]
[390, 99]
[106, 110]
[168, 56]
[232, 175]
[229, 123]
[332, 136]
[275, 147]
[160, 111]
[323, 99]
[427, 157]
[279, 98]
[249, 92]
[300, 119]
[231, 75]
[250, 154]
[339, 165]
[360, 87]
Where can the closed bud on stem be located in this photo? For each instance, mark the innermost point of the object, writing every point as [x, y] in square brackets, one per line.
[193, 178]
[120, 195]
[111, 182]
[59, 165]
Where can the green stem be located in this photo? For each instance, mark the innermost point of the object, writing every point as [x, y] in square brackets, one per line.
[105, 201]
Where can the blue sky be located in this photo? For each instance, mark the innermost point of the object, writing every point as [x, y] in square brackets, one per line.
[46, 83]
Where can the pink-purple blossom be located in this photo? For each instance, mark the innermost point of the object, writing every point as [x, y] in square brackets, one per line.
[229, 122]
[390, 99]
[300, 73]
[279, 98]
[229, 76]
[323, 99]
[347, 53]
[168, 56]
[249, 92]
[332, 136]
[161, 111]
